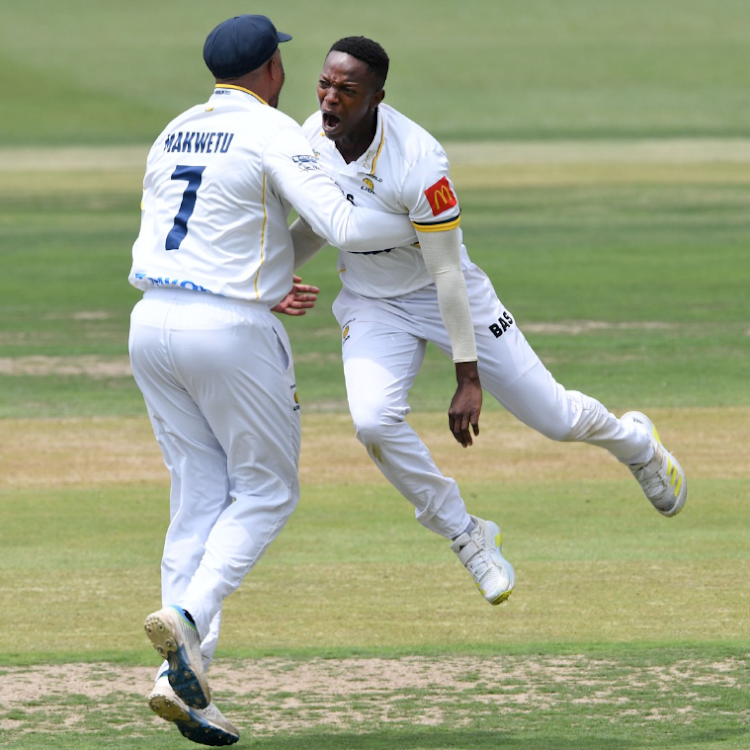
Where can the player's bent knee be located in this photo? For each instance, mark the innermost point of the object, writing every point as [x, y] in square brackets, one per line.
[374, 426]
[369, 432]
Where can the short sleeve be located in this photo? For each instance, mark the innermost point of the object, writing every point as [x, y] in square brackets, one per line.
[428, 192]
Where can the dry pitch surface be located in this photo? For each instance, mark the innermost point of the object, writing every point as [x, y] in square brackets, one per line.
[269, 695]
[46, 453]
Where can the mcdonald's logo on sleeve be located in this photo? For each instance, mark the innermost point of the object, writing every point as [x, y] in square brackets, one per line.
[440, 196]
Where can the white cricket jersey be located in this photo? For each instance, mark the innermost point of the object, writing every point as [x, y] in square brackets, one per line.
[405, 169]
[220, 182]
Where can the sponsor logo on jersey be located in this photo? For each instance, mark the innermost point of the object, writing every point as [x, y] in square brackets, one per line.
[198, 143]
[159, 281]
[502, 325]
[440, 196]
[306, 162]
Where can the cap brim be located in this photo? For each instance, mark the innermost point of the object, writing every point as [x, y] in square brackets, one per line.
[282, 37]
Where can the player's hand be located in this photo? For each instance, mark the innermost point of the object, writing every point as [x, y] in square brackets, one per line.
[463, 415]
[300, 298]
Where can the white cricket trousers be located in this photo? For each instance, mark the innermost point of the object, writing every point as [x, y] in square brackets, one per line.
[218, 381]
[383, 348]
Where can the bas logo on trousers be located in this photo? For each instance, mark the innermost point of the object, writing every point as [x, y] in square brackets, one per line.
[502, 325]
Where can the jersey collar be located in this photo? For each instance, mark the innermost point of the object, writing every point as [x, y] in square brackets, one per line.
[369, 160]
[231, 87]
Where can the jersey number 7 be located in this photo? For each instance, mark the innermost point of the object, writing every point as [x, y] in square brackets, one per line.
[193, 175]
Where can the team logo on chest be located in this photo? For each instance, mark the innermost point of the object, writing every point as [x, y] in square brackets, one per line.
[368, 185]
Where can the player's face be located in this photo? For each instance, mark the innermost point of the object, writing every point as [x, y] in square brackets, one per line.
[348, 96]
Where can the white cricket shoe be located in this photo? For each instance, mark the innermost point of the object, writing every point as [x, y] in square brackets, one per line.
[206, 726]
[176, 639]
[661, 478]
[480, 552]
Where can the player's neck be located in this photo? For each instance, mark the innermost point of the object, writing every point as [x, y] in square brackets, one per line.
[351, 147]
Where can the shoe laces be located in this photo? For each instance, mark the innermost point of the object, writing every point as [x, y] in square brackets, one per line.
[652, 475]
[480, 565]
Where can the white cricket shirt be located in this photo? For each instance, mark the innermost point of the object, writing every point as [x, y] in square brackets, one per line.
[404, 170]
[220, 182]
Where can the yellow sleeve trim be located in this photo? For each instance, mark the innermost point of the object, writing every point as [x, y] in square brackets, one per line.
[442, 227]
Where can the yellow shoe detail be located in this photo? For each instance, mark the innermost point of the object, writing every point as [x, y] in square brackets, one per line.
[671, 473]
[499, 540]
[677, 486]
[502, 598]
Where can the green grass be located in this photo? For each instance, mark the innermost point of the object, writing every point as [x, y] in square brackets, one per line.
[648, 616]
[626, 631]
[668, 260]
[596, 566]
[90, 72]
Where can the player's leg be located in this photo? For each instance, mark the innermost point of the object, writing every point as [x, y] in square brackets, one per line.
[383, 350]
[512, 372]
[195, 460]
[242, 378]
[382, 354]
[199, 493]
[178, 367]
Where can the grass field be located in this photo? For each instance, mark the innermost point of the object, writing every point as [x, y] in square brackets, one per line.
[602, 158]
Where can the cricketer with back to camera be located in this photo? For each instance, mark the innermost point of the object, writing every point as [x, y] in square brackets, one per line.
[394, 301]
[214, 257]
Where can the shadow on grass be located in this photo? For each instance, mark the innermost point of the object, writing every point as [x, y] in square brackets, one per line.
[453, 739]
[662, 737]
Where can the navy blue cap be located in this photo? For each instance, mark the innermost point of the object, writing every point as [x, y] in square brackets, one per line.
[241, 44]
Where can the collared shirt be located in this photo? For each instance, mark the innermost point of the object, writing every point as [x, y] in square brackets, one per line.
[220, 182]
[405, 170]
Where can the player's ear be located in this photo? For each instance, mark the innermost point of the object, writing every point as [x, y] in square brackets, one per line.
[274, 66]
[377, 97]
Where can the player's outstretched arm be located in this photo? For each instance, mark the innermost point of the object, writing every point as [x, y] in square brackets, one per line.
[441, 251]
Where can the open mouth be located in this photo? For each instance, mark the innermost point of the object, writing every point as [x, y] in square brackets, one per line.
[330, 122]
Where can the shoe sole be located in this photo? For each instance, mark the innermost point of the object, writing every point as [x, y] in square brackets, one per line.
[182, 676]
[502, 598]
[191, 726]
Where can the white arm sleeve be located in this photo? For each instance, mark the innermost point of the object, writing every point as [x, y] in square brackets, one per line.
[292, 169]
[442, 256]
[306, 242]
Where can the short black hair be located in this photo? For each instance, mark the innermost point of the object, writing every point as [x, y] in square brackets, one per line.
[369, 52]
